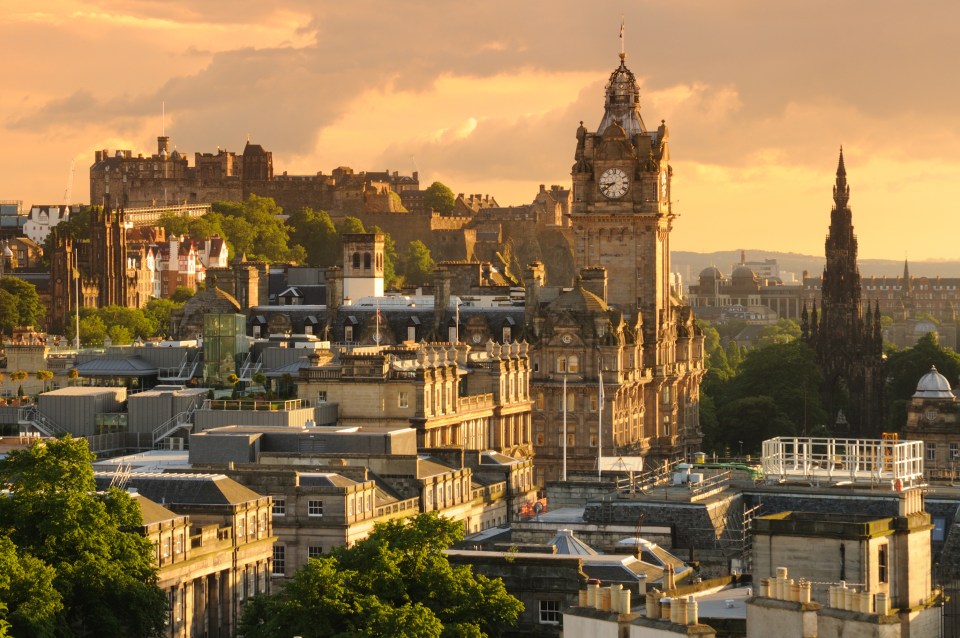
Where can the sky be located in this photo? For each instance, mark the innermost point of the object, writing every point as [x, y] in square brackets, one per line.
[486, 97]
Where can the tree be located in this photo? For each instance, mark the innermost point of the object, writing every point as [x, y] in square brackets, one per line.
[181, 295]
[43, 376]
[904, 369]
[30, 310]
[104, 569]
[9, 312]
[29, 602]
[396, 582]
[255, 227]
[73, 374]
[315, 232]
[440, 198]
[159, 311]
[417, 264]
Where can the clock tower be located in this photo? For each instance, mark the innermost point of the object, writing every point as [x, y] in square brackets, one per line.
[621, 213]
[621, 217]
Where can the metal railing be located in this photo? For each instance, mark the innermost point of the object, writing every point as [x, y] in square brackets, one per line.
[183, 420]
[872, 461]
[31, 417]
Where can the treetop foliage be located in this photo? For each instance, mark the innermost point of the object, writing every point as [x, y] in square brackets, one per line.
[440, 198]
[85, 544]
[396, 582]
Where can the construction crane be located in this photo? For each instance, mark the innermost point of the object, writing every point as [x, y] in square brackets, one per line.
[69, 189]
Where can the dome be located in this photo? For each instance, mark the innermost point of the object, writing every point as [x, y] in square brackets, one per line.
[7, 252]
[622, 104]
[743, 272]
[579, 300]
[711, 273]
[933, 385]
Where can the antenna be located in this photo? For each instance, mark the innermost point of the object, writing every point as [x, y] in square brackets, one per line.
[163, 118]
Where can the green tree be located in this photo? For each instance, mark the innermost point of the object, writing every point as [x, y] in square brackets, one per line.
[173, 224]
[43, 376]
[417, 264]
[92, 329]
[750, 421]
[315, 232]
[396, 582]
[30, 310]
[350, 225]
[904, 369]
[104, 568]
[181, 295]
[159, 311]
[9, 312]
[29, 602]
[255, 227]
[440, 198]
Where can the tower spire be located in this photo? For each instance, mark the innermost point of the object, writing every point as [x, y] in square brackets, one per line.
[841, 190]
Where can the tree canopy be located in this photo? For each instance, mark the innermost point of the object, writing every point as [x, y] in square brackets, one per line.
[417, 263]
[396, 582]
[904, 369]
[774, 391]
[26, 309]
[87, 544]
[439, 197]
[314, 230]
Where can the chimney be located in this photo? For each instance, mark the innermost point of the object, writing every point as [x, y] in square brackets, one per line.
[594, 279]
[534, 282]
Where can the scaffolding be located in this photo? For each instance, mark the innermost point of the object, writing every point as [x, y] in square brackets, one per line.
[844, 461]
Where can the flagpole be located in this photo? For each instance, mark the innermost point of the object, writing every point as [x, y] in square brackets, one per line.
[564, 435]
[76, 285]
[600, 419]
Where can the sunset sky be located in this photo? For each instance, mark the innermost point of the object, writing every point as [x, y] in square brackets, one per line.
[486, 97]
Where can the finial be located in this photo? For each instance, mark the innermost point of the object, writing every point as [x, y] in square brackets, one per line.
[623, 55]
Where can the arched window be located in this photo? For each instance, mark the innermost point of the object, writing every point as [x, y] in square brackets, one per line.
[561, 364]
[356, 260]
[573, 364]
[366, 261]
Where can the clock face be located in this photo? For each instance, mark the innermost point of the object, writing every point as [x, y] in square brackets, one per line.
[614, 183]
[566, 338]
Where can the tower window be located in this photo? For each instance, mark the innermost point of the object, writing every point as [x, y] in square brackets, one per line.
[356, 260]
[366, 261]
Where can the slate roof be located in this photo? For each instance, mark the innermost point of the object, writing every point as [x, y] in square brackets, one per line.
[172, 489]
[153, 512]
[567, 543]
[117, 367]
[325, 479]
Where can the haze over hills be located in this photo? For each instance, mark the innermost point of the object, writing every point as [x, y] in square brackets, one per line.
[689, 264]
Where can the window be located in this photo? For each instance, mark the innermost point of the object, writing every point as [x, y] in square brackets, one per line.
[573, 364]
[931, 451]
[356, 260]
[571, 402]
[279, 560]
[321, 396]
[411, 333]
[178, 547]
[550, 612]
[242, 586]
[314, 551]
[403, 400]
[240, 527]
[506, 334]
[166, 547]
[315, 508]
[348, 333]
[593, 402]
[540, 399]
[279, 506]
[954, 451]
[882, 564]
[561, 364]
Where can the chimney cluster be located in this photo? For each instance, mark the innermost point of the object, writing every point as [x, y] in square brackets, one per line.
[840, 596]
[679, 610]
[613, 598]
[783, 588]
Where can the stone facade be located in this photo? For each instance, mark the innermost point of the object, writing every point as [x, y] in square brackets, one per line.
[932, 417]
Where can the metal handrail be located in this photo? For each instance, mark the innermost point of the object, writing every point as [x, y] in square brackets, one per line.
[171, 425]
[32, 416]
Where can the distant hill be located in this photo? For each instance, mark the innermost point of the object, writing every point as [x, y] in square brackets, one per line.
[689, 264]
